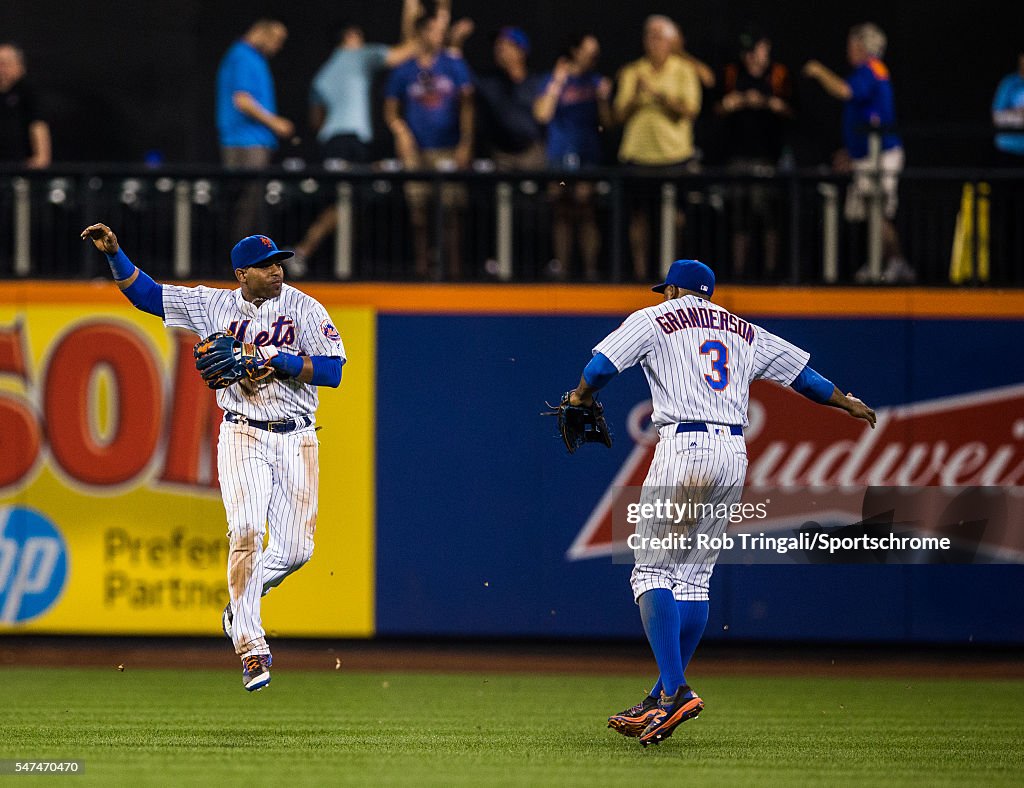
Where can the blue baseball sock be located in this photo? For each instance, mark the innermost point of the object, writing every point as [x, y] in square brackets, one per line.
[660, 615]
[693, 617]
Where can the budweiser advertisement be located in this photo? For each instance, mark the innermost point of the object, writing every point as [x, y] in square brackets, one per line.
[939, 481]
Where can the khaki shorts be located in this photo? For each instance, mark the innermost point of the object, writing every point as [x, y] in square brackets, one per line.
[252, 157]
[858, 194]
[530, 159]
[419, 193]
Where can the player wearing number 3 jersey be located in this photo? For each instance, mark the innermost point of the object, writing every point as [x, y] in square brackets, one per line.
[267, 451]
[699, 360]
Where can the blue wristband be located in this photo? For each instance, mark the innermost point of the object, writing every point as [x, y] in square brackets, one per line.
[120, 265]
[287, 363]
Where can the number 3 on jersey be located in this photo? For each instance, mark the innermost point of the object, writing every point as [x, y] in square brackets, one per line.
[719, 363]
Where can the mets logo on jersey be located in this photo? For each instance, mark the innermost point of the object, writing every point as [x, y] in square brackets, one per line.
[329, 331]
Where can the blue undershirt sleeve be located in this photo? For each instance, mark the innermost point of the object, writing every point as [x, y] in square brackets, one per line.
[144, 293]
[599, 372]
[326, 371]
[813, 386]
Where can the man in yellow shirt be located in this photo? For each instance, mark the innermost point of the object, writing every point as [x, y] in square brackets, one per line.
[658, 99]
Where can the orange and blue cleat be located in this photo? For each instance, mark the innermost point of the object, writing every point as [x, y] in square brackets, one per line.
[683, 705]
[633, 720]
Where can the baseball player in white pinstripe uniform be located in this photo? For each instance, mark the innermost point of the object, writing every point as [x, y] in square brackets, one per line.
[699, 360]
[267, 453]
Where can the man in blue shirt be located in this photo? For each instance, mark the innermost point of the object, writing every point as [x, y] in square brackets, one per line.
[1008, 113]
[868, 96]
[247, 121]
[429, 110]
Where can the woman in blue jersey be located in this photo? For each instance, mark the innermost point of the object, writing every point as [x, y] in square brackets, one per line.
[574, 105]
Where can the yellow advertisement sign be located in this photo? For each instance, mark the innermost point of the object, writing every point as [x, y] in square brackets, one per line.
[111, 519]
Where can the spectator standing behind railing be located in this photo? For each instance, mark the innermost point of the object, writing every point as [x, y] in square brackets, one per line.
[340, 109]
[658, 98]
[512, 136]
[573, 103]
[868, 96]
[24, 134]
[1008, 115]
[429, 110]
[755, 109]
[247, 119]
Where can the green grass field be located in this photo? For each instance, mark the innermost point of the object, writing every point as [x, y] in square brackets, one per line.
[325, 728]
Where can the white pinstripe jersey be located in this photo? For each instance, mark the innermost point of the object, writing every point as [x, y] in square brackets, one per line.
[293, 322]
[700, 359]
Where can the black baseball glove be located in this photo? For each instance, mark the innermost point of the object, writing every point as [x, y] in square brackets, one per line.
[222, 360]
[579, 424]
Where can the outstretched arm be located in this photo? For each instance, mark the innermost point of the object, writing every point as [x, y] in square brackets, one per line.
[407, 47]
[853, 406]
[135, 283]
[823, 391]
[833, 84]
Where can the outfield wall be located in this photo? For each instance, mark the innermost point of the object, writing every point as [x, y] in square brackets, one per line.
[447, 506]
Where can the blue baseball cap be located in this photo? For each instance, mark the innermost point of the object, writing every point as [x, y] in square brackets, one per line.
[517, 36]
[689, 275]
[256, 249]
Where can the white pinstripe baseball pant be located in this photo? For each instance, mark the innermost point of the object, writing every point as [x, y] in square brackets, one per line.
[265, 477]
[698, 467]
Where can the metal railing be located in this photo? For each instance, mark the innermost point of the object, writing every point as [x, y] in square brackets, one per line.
[493, 226]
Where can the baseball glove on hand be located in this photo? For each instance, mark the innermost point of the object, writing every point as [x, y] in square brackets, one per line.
[579, 424]
[222, 360]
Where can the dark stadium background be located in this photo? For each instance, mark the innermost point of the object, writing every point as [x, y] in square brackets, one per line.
[125, 78]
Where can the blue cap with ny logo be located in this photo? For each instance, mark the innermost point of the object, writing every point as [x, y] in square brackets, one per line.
[256, 250]
[689, 275]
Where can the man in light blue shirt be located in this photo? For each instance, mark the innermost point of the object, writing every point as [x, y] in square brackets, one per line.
[340, 108]
[1008, 113]
[340, 105]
